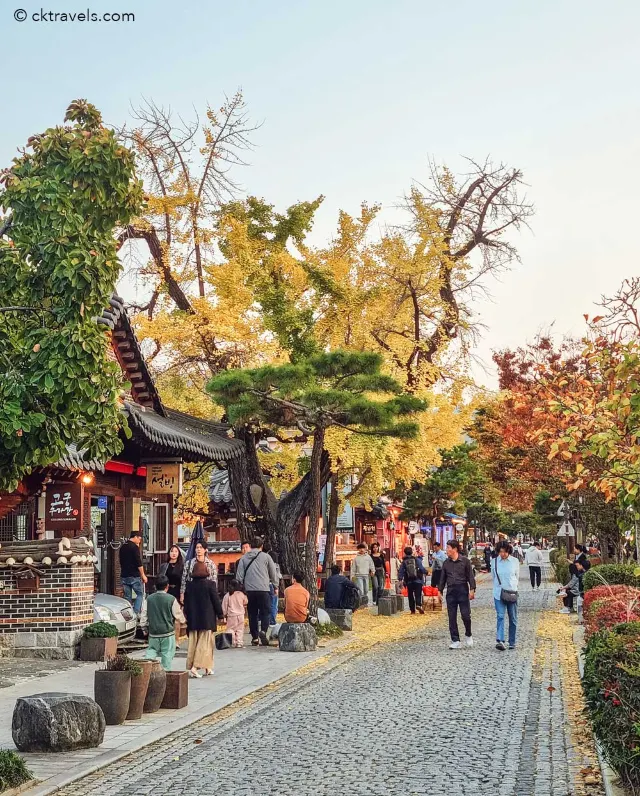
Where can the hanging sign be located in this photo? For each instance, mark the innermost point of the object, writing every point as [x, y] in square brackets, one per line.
[164, 479]
[64, 508]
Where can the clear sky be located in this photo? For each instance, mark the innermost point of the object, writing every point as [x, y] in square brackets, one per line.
[354, 96]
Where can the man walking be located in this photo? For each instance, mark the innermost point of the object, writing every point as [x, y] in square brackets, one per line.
[457, 578]
[257, 572]
[412, 572]
[533, 559]
[163, 611]
[439, 557]
[363, 568]
[132, 574]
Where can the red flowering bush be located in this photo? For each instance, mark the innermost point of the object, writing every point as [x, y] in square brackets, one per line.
[606, 613]
[625, 594]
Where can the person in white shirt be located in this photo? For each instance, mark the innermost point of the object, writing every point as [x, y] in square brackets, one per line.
[533, 559]
[362, 568]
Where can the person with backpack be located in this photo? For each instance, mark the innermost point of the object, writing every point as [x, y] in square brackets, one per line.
[257, 572]
[412, 573]
[335, 588]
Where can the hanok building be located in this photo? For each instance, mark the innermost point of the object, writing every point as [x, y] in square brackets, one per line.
[105, 501]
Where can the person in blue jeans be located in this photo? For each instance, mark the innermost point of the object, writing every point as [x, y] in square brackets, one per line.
[132, 574]
[505, 570]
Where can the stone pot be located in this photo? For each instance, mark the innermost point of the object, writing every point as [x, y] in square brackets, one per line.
[98, 649]
[156, 689]
[139, 686]
[112, 691]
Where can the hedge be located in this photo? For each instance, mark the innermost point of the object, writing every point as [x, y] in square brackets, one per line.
[611, 574]
[603, 593]
[607, 612]
[561, 569]
[13, 770]
[612, 691]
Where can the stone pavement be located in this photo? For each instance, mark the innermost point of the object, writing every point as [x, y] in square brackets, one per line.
[410, 717]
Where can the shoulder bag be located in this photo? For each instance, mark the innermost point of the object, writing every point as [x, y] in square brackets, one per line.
[506, 595]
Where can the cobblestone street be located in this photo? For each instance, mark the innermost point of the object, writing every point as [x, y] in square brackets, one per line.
[409, 718]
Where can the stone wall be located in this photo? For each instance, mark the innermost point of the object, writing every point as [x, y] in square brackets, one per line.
[46, 623]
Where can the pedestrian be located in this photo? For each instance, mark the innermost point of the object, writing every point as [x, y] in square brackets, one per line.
[487, 557]
[363, 568]
[274, 591]
[583, 557]
[296, 599]
[203, 558]
[517, 551]
[173, 569]
[132, 574]
[571, 589]
[412, 573]
[335, 588]
[534, 560]
[257, 572]
[506, 574]
[234, 603]
[457, 579]
[438, 559]
[377, 556]
[201, 606]
[163, 613]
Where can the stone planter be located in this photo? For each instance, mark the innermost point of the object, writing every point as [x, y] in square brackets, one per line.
[139, 686]
[112, 691]
[156, 689]
[98, 649]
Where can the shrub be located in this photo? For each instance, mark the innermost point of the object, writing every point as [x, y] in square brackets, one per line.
[123, 663]
[100, 630]
[13, 770]
[612, 691]
[602, 593]
[606, 613]
[328, 631]
[561, 569]
[611, 574]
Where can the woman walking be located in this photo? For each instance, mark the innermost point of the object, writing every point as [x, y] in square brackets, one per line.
[505, 570]
[187, 572]
[173, 568]
[234, 603]
[201, 606]
[377, 557]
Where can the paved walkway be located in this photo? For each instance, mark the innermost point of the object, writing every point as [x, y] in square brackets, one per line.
[410, 717]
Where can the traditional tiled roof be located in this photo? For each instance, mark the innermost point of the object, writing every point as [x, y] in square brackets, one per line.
[76, 460]
[220, 488]
[129, 354]
[178, 434]
[47, 552]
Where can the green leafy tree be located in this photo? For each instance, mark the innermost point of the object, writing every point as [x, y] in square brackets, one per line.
[485, 517]
[340, 389]
[62, 200]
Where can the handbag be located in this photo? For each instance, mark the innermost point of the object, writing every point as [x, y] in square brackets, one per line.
[224, 641]
[506, 595]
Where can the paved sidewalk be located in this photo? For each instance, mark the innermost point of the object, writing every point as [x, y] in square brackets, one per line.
[409, 717]
[239, 672]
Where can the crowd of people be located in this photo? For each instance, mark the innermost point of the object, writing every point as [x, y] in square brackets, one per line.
[187, 592]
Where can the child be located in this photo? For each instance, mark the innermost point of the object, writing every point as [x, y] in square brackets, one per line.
[572, 588]
[233, 605]
[163, 611]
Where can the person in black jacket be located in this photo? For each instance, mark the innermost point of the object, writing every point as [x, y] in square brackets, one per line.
[201, 606]
[412, 573]
[458, 580]
[334, 588]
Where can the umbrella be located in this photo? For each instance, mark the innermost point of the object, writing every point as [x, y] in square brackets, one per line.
[197, 535]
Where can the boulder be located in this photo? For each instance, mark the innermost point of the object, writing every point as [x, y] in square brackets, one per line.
[55, 722]
[342, 617]
[386, 606]
[297, 637]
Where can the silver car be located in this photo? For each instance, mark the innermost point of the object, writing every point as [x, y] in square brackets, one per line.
[115, 611]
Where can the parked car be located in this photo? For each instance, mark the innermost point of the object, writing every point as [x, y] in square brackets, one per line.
[116, 611]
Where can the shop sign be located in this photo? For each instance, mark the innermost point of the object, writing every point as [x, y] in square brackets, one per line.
[413, 527]
[164, 478]
[345, 519]
[64, 507]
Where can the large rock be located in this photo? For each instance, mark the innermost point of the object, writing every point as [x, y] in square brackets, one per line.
[342, 617]
[297, 637]
[57, 723]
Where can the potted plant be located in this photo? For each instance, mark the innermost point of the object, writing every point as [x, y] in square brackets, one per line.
[112, 687]
[99, 642]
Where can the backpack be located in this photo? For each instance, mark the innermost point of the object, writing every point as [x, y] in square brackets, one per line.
[410, 569]
[350, 597]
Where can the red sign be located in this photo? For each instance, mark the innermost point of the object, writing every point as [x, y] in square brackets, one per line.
[64, 507]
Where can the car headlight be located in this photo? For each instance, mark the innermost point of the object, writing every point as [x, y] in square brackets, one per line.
[103, 613]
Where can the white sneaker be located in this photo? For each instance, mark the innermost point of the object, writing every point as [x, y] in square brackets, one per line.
[455, 645]
[565, 611]
[469, 641]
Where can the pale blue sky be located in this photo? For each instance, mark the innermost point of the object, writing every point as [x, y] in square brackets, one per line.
[356, 95]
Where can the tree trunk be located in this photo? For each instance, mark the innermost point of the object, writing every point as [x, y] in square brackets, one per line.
[315, 508]
[332, 522]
